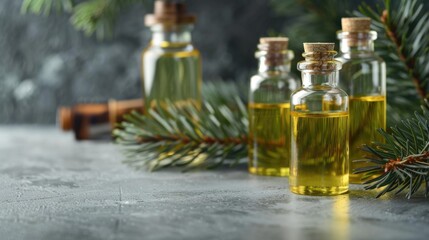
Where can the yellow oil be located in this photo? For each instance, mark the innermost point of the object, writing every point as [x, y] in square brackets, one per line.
[319, 153]
[171, 74]
[367, 114]
[269, 139]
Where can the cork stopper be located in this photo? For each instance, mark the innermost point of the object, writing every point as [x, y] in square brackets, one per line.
[356, 24]
[275, 42]
[274, 50]
[169, 12]
[319, 58]
[318, 47]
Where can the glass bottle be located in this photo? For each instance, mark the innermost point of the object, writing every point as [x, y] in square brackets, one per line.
[364, 78]
[96, 120]
[269, 109]
[319, 122]
[171, 65]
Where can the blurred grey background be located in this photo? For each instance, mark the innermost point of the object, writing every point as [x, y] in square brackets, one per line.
[46, 63]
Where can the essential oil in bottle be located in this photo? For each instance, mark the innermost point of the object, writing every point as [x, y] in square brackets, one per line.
[363, 77]
[269, 109]
[320, 126]
[171, 64]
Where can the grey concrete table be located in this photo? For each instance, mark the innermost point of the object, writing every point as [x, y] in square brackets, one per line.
[52, 187]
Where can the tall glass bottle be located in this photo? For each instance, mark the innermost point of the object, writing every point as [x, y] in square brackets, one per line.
[364, 78]
[319, 122]
[269, 109]
[171, 66]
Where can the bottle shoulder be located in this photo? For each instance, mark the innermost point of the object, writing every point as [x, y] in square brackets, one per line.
[315, 92]
[319, 100]
[168, 48]
[284, 80]
[359, 58]
[274, 77]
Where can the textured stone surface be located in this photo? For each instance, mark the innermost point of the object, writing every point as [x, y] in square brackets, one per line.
[54, 188]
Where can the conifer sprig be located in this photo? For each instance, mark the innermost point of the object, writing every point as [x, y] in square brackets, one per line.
[186, 137]
[402, 162]
[90, 16]
[47, 6]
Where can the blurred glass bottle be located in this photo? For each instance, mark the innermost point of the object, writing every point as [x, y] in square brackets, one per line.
[96, 120]
[171, 66]
[319, 122]
[364, 78]
[269, 109]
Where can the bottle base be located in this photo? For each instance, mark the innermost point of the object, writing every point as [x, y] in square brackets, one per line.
[319, 191]
[277, 172]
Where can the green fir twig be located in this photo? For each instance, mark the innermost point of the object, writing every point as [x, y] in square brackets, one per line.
[90, 16]
[186, 137]
[47, 6]
[402, 162]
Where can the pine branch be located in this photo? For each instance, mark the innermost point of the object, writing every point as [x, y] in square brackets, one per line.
[91, 16]
[98, 16]
[402, 163]
[409, 63]
[403, 29]
[95, 16]
[45, 6]
[188, 137]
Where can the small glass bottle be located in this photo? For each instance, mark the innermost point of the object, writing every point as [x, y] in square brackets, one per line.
[269, 109]
[96, 120]
[171, 66]
[319, 122]
[364, 78]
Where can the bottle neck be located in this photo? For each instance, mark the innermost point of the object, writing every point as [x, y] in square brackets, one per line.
[319, 69]
[264, 67]
[165, 36]
[275, 62]
[357, 42]
[348, 46]
[310, 79]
